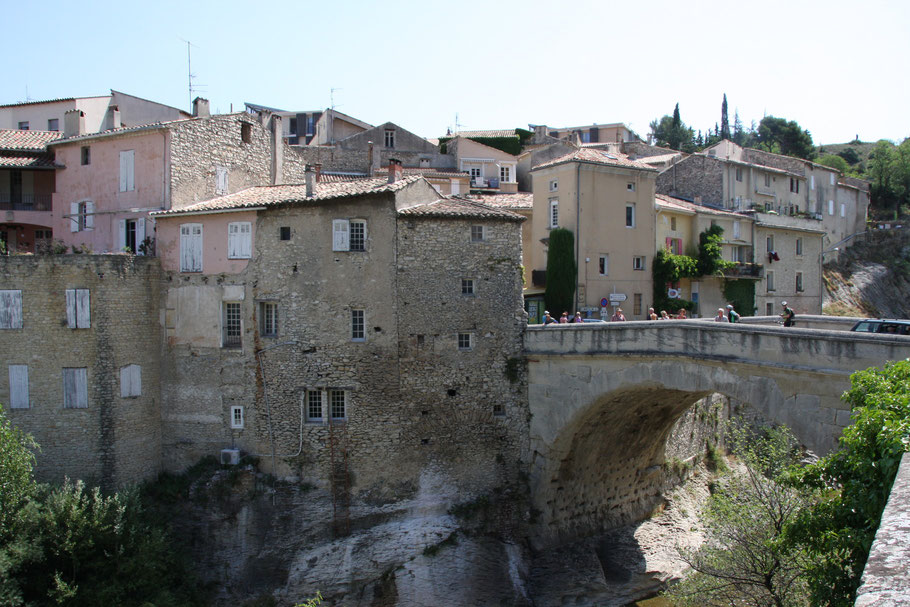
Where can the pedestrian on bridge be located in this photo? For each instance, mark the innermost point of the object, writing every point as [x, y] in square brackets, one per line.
[721, 317]
[618, 316]
[547, 319]
[732, 316]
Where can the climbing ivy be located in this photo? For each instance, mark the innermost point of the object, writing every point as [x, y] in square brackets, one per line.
[741, 293]
[710, 261]
[668, 269]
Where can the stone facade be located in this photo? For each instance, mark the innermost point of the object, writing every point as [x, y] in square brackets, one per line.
[114, 439]
[698, 178]
[412, 150]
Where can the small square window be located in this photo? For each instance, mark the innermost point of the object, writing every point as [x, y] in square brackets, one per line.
[478, 234]
[465, 341]
[499, 410]
[246, 132]
[314, 406]
[237, 417]
[638, 262]
[630, 187]
[23, 126]
[467, 286]
[284, 233]
[268, 318]
[53, 124]
[358, 326]
[554, 185]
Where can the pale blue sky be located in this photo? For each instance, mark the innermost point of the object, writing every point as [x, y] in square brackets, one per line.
[838, 68]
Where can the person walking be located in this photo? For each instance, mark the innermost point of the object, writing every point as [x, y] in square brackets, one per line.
[732, 316]
[787, 315]
[618, 316]
[721, 317]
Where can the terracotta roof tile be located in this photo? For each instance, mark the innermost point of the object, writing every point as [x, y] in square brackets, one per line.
[590, 156]
[27, 161]
[684, 205]
[340, 177]
[426, 172]
[38, 102]
[459, 208]
[273, 195]
[27, 141]
[493, 133]
[516, 201]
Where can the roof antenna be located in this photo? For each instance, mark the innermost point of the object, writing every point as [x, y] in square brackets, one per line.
[189, 73]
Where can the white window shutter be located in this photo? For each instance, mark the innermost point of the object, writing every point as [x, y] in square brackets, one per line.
[340, 235]
[81, 400]
[197, 247]
[71, 308]
[74, 217]
[233, 240]
[18, 386]
[127, 167]
[121, 234]
[191, 247]
[130, 381]
[83, 309]
[89, 215]
[246, 240]
[10, 309]
[140, 233]
[185, 248]
[123, 171]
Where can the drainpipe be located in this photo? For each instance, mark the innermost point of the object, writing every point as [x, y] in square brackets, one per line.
[577, 229]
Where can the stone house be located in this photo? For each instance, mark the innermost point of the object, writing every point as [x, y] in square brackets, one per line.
[26, 186]
[364, 325]
[448, 182]
[607, 201]
[792, 256]
[490, 169]
[590, 133]
[390, 141]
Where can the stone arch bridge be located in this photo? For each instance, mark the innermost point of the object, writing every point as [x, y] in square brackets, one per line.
[604, 398]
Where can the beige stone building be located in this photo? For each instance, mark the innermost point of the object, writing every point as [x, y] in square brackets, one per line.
[490, 169]
[607, 201]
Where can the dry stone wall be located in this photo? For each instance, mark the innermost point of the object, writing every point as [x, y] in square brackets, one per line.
[114, 440]
[696, 175]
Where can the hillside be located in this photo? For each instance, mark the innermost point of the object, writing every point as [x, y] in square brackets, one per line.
[871, 278]
[858, 156]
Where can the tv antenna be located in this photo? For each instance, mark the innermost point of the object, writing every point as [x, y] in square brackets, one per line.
[332, 96]
[458, 125]
[190, 76]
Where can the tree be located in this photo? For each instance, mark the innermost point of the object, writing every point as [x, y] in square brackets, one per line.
[835, 162]
[739, 135]
[855, 482]
[710, 252]
[561, 271]
[880, 172]
[17, 460]
[672, 132]
[724, 120]
[745, 559]
[782, 137]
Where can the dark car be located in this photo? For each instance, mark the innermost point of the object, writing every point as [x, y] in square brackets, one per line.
[893, 327]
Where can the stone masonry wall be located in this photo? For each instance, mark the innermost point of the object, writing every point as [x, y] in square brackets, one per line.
[696, 175]
[114, 440]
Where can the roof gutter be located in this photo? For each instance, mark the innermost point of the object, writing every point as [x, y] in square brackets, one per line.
[204, 212]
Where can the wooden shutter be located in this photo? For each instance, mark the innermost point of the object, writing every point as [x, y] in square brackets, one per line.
[89, 215]
[239, 240]
[246, 240]
[75, 388]
[130, 381]
[18, 386]
[71, 308]
[74, 217]
[121, 234]
[83, 309]
[140, 233]
[341, 235]
[10, 309]
[127, 167]
[191, 247]
[233, 240]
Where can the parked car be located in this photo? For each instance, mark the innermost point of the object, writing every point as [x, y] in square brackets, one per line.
[893, 327]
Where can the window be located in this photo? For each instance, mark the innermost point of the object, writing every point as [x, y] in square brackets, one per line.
[75, 388]
[630, 215]
[673, 224]
[499, 410]
[674, 245]
[467, 286]
[338, 405]
[476, 174]
[554, 212]
[53, 124]
[843, 210]
[292, 127]
[630, 187]
[231, 325]
[11, 309]
[390, 138]
[23, 126]
[127, 170]
[349, 234]
[86, 155]
[799, 246]
[18, 387]
[770, 243]
[799, 281]
[268, 318]
[358, 326]
[739, 174]
[246, 132]
[310, 124]
[239, 240]
[78, 310]
[505, 174]
[191, 247]
[43, 235]
[737, 231]
[832, 178]
[554, 185]
[314, 406]
[811, 182]
[769, 308]
[465, 341]
[794, 185]
[284, 233]
[237, 417]
[130, 381]
[638, 262]
[603, 265]
[770, 280]
[767, 180]
[636, 304]
[82, 216]
[477, 234]
[830, 207]
[221, 180]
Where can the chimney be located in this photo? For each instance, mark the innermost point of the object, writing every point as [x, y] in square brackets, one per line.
[114, 117]
[370, 159]
[73, 123]
[200, 107]
[395, 170]
[540, 132]
[318, 167]
[310, 177]
[277, 145]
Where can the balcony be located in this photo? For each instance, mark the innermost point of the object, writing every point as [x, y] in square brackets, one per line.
[25, 202]
[754, 271]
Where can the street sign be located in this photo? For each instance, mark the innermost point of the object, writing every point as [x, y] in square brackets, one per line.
[617, 297]
[603, 302]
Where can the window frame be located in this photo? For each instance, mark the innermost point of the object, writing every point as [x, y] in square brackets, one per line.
[10, 309]
[221, 180]
[769, 281]
[467, 287]
[739, 174]
[553, 216]
[76, 397]
[799, 282]
[639, 263]
[799, 247]
[358, 325]
[127, 170]
[53, 125]
[268, 318]
[336, 396]
[389, 139]
[309, 406]
[187, 239]
[630, 186]
[630, 215]
[237, 424]
[554, 185]
[478, 233]
[465, 341]
[505, 173]
[603, 264]
[85, 155]
[240, 240]
[231, 324]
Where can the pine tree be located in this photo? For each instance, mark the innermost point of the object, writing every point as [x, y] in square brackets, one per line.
[676, 119]
[724, 120]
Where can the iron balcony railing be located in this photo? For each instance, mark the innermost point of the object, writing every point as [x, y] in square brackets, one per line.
[25, 202]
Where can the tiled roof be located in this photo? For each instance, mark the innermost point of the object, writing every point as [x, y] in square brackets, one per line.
[516, 201]
[494, 133]
[426, 172]
[684, 205]
[273, 195]
[663, 158]
[459, 208]
[596, 157]
[27, 141]
[340, 177]
[38, 102]
[26, 161]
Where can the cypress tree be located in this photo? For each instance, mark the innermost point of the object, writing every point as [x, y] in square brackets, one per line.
[724, 120]
[561, 271]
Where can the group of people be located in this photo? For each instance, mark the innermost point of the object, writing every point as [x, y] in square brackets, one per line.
[652, 315]
[723, 315]
[728, 315]
[564, 319]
